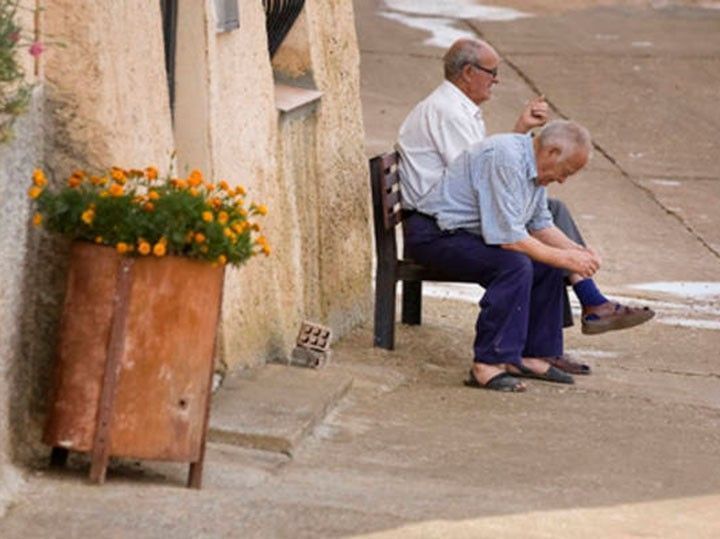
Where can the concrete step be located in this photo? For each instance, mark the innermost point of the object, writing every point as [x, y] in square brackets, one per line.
[275, 406]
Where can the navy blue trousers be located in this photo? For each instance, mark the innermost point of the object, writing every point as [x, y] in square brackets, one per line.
[521, 310]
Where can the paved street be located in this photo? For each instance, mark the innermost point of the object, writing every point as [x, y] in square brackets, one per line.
[633, 450]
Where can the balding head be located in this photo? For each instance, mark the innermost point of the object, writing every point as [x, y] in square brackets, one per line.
[466, 51]
[561, 149]
[471, 65]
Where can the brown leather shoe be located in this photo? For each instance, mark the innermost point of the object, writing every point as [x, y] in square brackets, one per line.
[611, 316]
[568, 364]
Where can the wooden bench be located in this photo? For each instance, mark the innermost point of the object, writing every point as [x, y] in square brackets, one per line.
[387, 215]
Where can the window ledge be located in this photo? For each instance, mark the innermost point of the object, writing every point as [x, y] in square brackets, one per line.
[290, 98]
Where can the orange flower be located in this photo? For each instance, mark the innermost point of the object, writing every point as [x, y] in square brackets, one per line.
[159, 249]
[149, 206]
[224, 185]
[144, 248]
[37, 219]
[179, 184]
[199, 237]
[151, 173]
[261, 209]
[74, 181]
[122, 247]
[223, 217]
[34, 192]
[216, 203]
[240, 190]
[39, 178]
[194, 191]
[222, 260]
[96, 180]
[116, 190]
[153, 195]
[98, 239]
[207, 216]
[118, 174]
[195, 178]
[266, 250]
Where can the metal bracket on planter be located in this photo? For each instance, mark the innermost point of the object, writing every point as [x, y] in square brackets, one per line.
[312, 346]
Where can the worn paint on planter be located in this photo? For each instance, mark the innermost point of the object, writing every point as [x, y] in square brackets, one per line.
[165, 365]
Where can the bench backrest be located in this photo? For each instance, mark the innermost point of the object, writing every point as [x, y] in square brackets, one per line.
[387, 214]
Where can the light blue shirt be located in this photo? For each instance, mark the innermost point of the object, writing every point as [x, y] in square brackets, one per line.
[490, 189]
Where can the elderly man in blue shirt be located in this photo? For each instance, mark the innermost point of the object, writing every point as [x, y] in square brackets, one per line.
[487, 220]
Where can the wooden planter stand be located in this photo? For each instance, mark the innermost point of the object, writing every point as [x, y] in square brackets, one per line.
[135, 359]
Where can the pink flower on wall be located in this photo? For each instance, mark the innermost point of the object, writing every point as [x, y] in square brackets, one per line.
[36, 49]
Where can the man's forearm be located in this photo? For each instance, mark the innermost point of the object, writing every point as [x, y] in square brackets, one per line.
[540, 252]
[555, 237]
[579, 261]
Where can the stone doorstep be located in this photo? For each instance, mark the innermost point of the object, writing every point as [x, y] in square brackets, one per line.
[274, 407]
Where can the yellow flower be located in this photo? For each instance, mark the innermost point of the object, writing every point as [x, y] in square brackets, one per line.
[153, 195]
[159, 249]
[194, 191]
[224, 185]
[261, 240]
[222, 260]
[98, 239]
[266, 250]
[179, 184]
[144, 248]
[151, 173]
[239, 227]
[96, 180]
[240, 190]
[34, 192]
[39, 178]
[207, 216]
[88, 216]
[116, 190]
[223, 217]
[261, 209]
[216, 203]
[37, 219]
[228, 233]
[199, 237]
[122, 247]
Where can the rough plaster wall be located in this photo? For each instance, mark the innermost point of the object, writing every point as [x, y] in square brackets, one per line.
[18, 158]
[342, 168]
[108, 84]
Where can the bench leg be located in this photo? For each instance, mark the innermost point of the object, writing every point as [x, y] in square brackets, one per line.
[412, 302]
[385, 308]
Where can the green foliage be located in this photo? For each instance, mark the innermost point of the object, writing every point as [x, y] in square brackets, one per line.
[139, 214]
[14, 91]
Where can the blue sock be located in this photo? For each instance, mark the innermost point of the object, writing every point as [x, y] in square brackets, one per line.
[588, 293]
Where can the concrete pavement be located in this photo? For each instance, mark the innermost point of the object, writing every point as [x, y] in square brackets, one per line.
[632, 450]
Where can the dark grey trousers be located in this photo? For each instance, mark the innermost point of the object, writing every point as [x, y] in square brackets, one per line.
[565, 222]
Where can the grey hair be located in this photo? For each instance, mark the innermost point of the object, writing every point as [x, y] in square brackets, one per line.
[461, 53]
[566, 135]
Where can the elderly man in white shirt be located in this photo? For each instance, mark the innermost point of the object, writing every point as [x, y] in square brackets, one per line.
[448, 122]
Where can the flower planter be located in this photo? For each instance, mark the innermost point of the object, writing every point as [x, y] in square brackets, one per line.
[135, 358]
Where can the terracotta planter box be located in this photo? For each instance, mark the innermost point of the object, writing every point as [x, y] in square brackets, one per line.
[135, 358]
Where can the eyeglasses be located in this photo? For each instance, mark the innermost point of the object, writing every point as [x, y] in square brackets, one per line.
[493, 71]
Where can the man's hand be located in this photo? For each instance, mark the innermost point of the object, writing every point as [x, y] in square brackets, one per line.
[585, 263]
[535, 114]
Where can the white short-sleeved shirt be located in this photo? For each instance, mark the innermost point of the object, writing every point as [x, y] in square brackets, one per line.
[435, 132]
